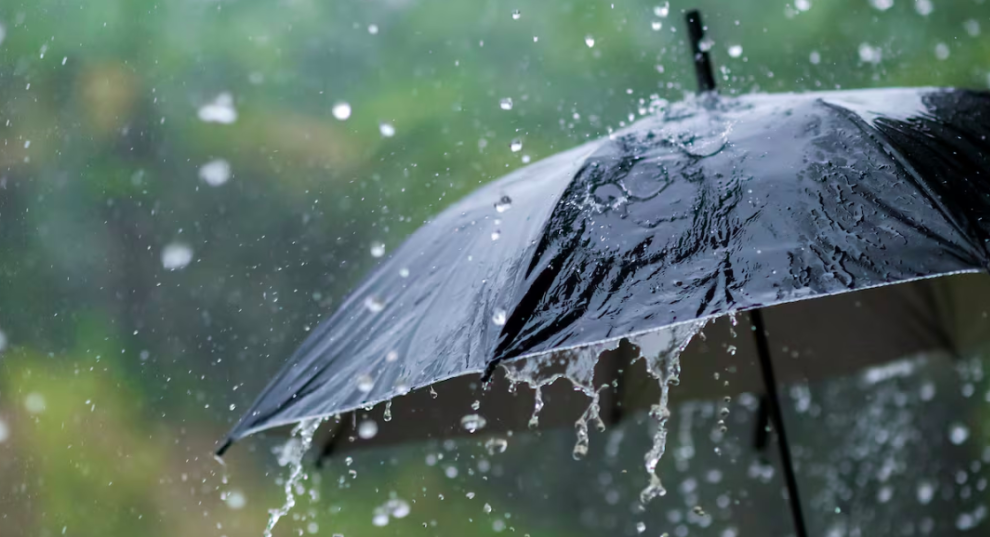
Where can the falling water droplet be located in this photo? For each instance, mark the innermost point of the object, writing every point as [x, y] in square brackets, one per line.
[640, 527]
[176, 256]
[235, 499]
[662, 10]
[386, 129]
[341, 111]
[735, 51]
[499, 317]
[589, 40]
[516, 14]
[219, 110]
[473, 422]
[377, 249]
[656, 25]
[958, 433]
[515, 145]
[476, 405]
[391, 356]
[706, 44]
[505, 103]
[215, 172]
[942, 51]
[387, 413]
[496, 235]
[496, 445]
[487, 508]
[364, 383]
[367, 429]
[374, 304]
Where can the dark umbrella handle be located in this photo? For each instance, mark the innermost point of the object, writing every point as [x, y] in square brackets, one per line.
[702, 62]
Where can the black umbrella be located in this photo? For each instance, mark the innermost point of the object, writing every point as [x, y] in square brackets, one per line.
[707, 207]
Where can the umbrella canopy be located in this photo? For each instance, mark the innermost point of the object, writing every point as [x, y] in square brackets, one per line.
[706, 207]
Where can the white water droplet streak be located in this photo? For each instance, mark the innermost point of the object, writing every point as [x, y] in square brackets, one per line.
[292, 455]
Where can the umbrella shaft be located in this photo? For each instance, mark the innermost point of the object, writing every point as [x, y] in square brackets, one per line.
[777, 418]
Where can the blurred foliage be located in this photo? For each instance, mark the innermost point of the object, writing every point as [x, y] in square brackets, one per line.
[140, 369]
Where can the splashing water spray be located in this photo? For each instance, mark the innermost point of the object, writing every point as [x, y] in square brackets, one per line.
[661, 350]
[291, 455]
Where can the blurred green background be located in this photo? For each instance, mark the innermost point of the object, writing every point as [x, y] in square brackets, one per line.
[117, 374]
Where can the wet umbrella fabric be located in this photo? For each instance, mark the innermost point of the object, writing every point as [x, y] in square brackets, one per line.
[704, 208]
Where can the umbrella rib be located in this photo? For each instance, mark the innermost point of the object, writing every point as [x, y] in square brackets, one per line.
[777, 418]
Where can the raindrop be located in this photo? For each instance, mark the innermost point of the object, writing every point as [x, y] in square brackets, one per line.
[450, 471]
[387, 129]
[176, 256]
[656, 25]
[640, 527]
[341, 111]
[505, 103]
[3, 341]
[923, 7]
[972, 27]
[365, 383]
[496, 445]
[235, 499]
[503, 204]
[391, 356]
[374, 304]
[496, 235]
[398, 508]
[473, 422]
[815, 58]
[590, 41]
[373, 29]
[516, 15]
[387, 414]
[705, 44]
[4, 431]
[958, 433]
[469, 495]
[291, 455]
[215, 172]
[403, 272]
[515, 145]
[476, 405]
[942, 51]
[3, 33]
[377, 249]
[498, 525]
[802, 5]
[487, 508]
[735, 51]
[219, 110]
[662, 10]
[882, 5]
[380, 518]
[525, 159]
[869, 53]
[499, 317]
[367, 429]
